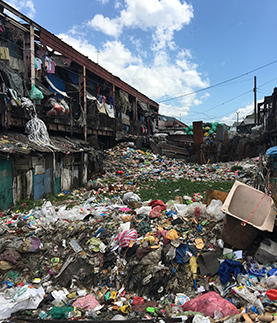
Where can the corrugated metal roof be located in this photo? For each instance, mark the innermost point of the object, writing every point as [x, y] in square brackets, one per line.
[17, 143]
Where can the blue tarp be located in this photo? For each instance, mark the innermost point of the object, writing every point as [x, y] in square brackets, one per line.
[272, 151]
[75, 78]
[57, 82]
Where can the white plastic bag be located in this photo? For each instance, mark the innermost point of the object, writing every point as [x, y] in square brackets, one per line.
[144, 210]
[196, 205]
[29, 300]
[214, 210]
[200, 319]
[272, 282]
[130, 196]
[181, 209]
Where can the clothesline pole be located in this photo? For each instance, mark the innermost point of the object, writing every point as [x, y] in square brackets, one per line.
[32, 55]
[85, 101]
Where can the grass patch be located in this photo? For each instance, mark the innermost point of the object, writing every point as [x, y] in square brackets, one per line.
[55, 199]
[167, 189]
[27, 205]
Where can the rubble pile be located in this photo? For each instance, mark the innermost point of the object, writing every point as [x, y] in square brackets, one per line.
[121, 258]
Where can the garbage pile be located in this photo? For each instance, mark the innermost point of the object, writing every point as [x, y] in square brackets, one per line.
[137, 165]
[122, 258]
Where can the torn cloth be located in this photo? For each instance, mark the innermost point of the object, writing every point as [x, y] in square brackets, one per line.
[229, 268]
[124, 238]
[88, 302]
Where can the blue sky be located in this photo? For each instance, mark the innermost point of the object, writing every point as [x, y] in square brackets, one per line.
[174, 48]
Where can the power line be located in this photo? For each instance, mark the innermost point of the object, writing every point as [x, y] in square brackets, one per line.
[220, 83]
[238, 96]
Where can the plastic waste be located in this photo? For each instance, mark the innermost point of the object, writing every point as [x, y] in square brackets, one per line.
[201, 209]
[193, 269]
[248, 297]
[35, 94]
[59, 297]
[130, 196]
[272, 294]
[181, 299]
[272, 281]
[208, 303]
[214, 210]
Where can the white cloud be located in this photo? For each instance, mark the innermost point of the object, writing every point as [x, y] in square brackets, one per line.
[163, 75]
[173, 111]
[103, 1]
[80, 45]
[161, 17]
[243, 112]
[111, 27]
[117, 5]
[25, 6]
[160, 78]
[136, 42]
[116, 57]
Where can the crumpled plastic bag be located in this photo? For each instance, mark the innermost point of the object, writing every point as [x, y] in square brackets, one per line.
[144, 210]
[28, 300]
[5, 266]
[181, 209]
[130, 196]
[200, 319]
[156, 212]
[137, 300]
[125, 309]
[214, 210]
[172, 235]
[152, 257]
[35, 94]
[96, 245]
[191, 209]
[60, 312]
[210, 302]
[272, 281]
[10, 255]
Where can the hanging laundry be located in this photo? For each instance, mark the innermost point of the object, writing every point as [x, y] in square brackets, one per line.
[109, 110]
[48, 64]
[52, 69]
[38, 63]
[4, 53]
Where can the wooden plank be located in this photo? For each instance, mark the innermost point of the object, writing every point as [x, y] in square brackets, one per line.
[175, 149]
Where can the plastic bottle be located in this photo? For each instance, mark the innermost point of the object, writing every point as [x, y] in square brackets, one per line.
[193, 269]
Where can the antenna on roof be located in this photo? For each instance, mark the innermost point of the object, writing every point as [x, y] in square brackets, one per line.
[97, 51]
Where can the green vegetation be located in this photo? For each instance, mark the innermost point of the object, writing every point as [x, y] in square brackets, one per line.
[167, 189]
[28, 204]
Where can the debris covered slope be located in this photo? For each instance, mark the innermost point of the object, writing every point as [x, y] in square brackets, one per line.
[106, 252]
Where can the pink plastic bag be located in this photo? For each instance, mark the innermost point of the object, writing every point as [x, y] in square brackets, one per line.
[208, 303]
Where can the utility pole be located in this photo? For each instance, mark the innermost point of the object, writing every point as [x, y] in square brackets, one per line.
[237, 117]
[255, 101]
